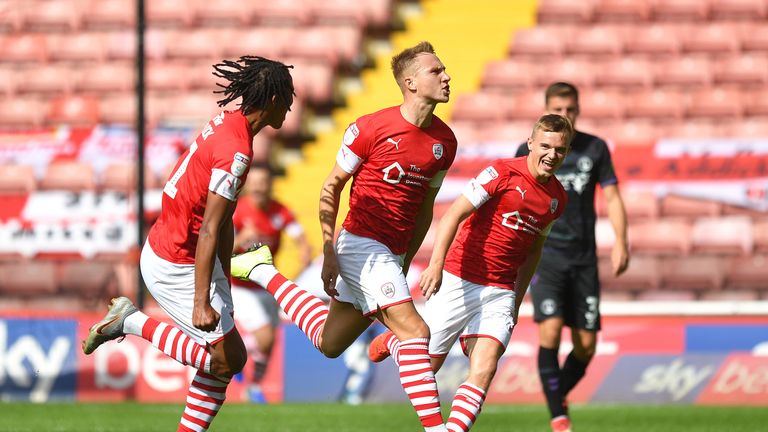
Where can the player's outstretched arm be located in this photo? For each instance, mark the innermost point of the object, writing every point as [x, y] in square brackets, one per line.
[618, 217]
[432, 276]
[328, 211]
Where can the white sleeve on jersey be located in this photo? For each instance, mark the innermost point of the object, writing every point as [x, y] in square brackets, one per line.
[437, 180]
[475, 193]
[225, 184]
[348, 160]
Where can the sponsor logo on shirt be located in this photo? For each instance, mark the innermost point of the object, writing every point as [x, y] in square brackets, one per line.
[350, 134]
[239, 164]
[437, 150]
[396, 143]
[388, 289]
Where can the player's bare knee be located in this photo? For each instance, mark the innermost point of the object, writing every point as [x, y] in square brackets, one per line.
[483, 374]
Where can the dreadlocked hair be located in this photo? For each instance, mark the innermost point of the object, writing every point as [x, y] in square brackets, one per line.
[257, 80]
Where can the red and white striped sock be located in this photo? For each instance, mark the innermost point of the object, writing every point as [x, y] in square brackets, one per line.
[170, 340]
[465, 408]
[304, 309]
[418, 381]
[205, 396]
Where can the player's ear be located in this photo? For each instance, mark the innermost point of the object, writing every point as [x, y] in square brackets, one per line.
[530, 144]
[410, 84]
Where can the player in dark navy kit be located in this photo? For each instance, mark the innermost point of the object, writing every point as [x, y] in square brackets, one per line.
[566, 288]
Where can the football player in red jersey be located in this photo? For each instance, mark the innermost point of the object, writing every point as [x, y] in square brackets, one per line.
[186, 259]
[398, 157]
[482, 279]
[260, 218]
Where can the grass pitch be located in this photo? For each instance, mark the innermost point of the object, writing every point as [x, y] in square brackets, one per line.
[126, 417]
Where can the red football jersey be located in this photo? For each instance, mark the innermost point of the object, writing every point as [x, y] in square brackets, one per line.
[217, 161]
[393, 164]
[513, 209]
[269, 223]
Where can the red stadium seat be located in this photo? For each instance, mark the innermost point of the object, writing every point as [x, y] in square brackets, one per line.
[44, 15]
[643, 274]
[69, 175]
[210, 13]
[266, 42]
[169, 13]
[189, 109]
[334, 12]
[640, 204]
[696, 272]
[110, 14]
[657, 105]
[755, 104]
[23, 48]
[760, 235]
[315, 44]
[754, 37]
[601, 105]
[538, 42]
[467, 132]
[313, 81]
[738, 10]
[685, 72]
[172, 76]
[693, 128]
[17, 179]
[628, 132]
[482, 107]
[508, 74]
[27, 279]
[663, 237]
[121, 45]
[605, 237]
[512, 132]
[627, 73]
[121, 176]
[748, 273]
[756, 127]
[675, 205]
[92, 280]
[74, 110]
[729, 294]
[654, 40]
[10, 18]
[195, 44]
[112, 77]
[76, 47]
[565, 11]
[378, 12]
[18, 112]
[596, 42]
[715, 103]
[679, 10]
[51, 80]
[282, 12]
[712, 39]
[526, 106]
[731, 235]
[621, 11]
[745, 70]
[347, 40]
[579, 72]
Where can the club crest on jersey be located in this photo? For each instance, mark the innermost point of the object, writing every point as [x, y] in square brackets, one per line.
[388, 289]
[553, 205]
[437, 150]
[350, 134]
[239, 164]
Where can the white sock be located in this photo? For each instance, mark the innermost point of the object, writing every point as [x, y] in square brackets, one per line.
[262, 274]
[134, 323]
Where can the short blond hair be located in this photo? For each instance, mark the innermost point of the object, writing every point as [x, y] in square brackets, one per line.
[405, 58]
[554, 123]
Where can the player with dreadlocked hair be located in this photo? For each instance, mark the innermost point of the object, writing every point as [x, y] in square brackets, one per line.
[186, 259]
[257, 80]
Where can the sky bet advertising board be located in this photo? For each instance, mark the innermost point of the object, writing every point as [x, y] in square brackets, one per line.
[645, 360]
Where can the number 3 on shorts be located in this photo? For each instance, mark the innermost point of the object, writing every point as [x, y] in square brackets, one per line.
[170, 187]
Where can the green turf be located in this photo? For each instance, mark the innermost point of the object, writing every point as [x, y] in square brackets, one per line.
[375, 418]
